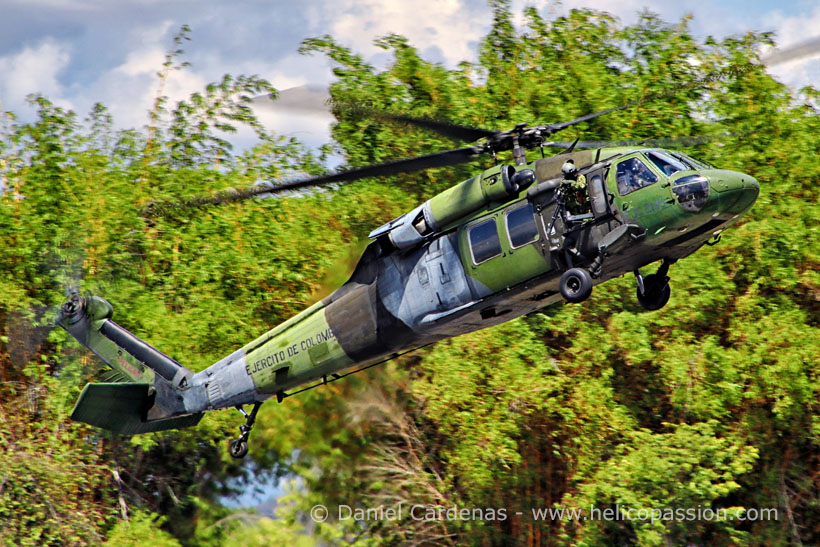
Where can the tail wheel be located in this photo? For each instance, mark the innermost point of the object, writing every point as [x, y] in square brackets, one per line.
[576, 285]
[656, 292]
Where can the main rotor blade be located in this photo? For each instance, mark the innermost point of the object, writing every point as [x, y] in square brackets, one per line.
[446, 128]
[307, 98]
[554, 127]
[469, 134]
[802, 49]
[799, 50]
[693, 140]
[440, 159]
[315, 99]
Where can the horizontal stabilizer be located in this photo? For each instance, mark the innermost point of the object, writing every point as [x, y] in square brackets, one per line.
[122, 408]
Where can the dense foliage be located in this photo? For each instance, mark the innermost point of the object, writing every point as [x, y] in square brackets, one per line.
[708, 403]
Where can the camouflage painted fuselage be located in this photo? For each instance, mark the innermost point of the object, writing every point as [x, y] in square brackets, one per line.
[427, 276]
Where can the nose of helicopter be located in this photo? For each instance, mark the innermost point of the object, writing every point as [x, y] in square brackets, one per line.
[715, 192]
[714, 198]
[734, 192]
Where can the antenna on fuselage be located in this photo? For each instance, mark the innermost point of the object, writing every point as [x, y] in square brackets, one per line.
[571, 146]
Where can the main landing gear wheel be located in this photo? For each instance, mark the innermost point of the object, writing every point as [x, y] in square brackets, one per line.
[238, 448]
[575, 285]
[656, 292]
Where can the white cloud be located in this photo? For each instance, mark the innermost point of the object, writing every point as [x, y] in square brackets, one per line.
[791, 29]
[33, 70]
[144, 61]
[75, 5]
[130, 89]
[449, 25]
[60, 4]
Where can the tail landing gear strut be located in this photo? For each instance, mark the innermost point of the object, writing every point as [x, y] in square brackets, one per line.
[238, 447]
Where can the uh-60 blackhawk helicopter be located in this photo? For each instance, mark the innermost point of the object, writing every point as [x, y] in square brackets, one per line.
[508, 241]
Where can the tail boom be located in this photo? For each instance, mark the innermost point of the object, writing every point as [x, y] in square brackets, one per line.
[149, 393]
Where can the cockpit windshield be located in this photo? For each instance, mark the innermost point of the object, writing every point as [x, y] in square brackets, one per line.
[692, 162]
[666, 163]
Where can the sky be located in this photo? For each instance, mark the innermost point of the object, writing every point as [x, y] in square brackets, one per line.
[78, 52]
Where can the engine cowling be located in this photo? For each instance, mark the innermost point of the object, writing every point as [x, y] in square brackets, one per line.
[496, 184]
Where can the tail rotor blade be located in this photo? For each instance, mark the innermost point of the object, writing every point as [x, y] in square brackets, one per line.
[29, 328]
[27, 332]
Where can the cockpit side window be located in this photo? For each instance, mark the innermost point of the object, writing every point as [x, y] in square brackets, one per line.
[633, 174]
[666, 163]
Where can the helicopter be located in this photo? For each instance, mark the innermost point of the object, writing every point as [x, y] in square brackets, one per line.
[510, 240]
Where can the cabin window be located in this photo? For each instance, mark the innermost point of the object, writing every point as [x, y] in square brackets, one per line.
[484, 243]
[666, 163]
[521, 226]
[633, 174]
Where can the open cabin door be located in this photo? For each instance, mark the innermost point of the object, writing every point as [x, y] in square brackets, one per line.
[607, 218]
[599, 197]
